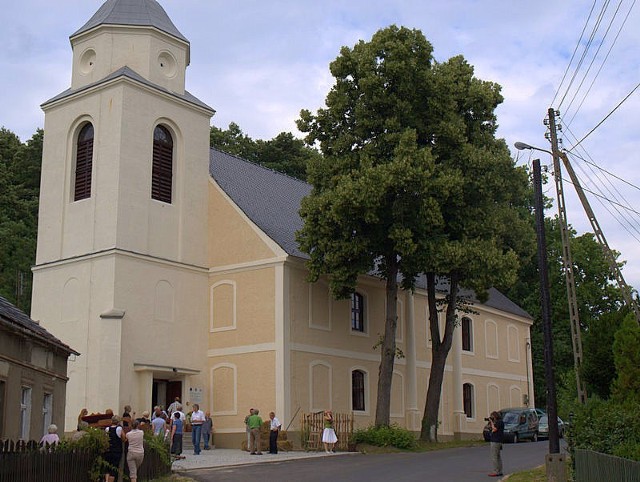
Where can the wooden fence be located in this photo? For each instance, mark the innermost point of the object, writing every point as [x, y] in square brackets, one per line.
[596, 467]
[312, 425]
[27, 462]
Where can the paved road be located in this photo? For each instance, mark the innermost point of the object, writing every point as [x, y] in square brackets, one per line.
[452, 465]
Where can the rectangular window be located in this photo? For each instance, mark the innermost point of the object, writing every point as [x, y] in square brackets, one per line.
[357, 312]
[467, 396]
[357, 390]
[47, 411]
[467, 334]
[25, 413]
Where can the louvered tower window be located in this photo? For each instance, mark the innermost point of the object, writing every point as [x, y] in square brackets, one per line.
[84, 162]
[162, 171]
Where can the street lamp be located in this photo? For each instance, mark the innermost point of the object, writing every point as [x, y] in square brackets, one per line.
[545, 302]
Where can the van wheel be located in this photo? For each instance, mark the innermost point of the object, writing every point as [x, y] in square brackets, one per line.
[535, 437]
[516, 439]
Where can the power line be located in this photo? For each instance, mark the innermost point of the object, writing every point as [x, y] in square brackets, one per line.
[604, 61]
[566, 71]
[606, 117]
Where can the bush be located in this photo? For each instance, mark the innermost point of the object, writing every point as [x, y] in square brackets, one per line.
[394, 436]
[608, 427]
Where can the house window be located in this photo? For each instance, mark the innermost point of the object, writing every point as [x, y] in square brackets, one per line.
[357, 390]
[47, 412]
[162, 170]
[357, 312]
[84, 163]
[467, 334]
[467, 396]
[25, 413]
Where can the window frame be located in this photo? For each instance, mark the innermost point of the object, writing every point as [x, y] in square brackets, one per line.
[466, 326]
[358, 390]
[358, 321]
[468, 400]
[83, 163]
[47, 411]
[25, 412]
[162, 170]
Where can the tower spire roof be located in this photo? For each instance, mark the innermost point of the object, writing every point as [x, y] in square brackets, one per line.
[145, 13]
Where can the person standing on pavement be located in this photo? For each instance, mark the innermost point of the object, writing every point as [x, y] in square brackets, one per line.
[495, 437]
[207, 428]
[177, 429]
[273, 433]
[197, 419]
[246, 424]
[135, 454]
[255, 423]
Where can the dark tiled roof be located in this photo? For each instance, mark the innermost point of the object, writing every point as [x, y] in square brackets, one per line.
[272, 200]
[144, 13]
[17, 319]
[131, 74]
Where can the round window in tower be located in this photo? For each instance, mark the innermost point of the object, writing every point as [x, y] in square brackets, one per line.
[167, 64]
[87, 61]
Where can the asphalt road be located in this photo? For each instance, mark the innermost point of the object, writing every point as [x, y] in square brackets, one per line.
[451, 465]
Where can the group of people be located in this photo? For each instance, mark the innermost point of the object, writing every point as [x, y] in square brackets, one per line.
[126, 434]
[172, 424]
[253, 423]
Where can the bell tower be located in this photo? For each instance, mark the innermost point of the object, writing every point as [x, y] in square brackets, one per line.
[122, 235]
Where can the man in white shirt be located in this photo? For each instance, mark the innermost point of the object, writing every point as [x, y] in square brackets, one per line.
[273, 434]
[197, 419]
[174, 406]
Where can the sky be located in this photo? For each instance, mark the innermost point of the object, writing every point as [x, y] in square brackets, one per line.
[259, 62]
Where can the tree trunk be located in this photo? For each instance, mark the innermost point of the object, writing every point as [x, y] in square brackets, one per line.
[439, 352]
[388, 346]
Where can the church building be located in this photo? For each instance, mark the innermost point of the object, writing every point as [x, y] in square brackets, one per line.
[172, 267]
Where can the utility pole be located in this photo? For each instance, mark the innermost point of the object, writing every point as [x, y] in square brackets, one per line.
[545, 305]
[574, 317]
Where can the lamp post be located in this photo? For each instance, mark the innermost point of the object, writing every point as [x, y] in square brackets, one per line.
[555, 462]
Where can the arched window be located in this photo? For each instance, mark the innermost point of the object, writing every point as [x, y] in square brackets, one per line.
[357, 390]
[468, 401]
[162, 171]
[357, 312]
[467, 334]
[84, 163]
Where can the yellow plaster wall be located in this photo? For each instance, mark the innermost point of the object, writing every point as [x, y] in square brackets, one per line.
[254, 307]
[232, 239]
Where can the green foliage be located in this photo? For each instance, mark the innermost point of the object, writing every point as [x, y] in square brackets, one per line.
[96, 442]
[626, 353]
[19, 191]
[607, 426]
[284, 153]
[599, 305]
[386, 436]
[157, 443]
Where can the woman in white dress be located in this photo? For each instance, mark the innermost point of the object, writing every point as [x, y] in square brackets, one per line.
[328, 434]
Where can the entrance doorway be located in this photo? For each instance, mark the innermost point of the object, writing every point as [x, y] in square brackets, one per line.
[165, 391]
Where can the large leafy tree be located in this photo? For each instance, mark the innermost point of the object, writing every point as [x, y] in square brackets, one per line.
[487, 228]
[376, 199]
[19, 190]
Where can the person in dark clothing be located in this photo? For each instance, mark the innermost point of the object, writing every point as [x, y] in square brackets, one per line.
[116, 446]
[495, 438]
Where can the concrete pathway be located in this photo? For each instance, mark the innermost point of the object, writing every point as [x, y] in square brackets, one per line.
[216, 458]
